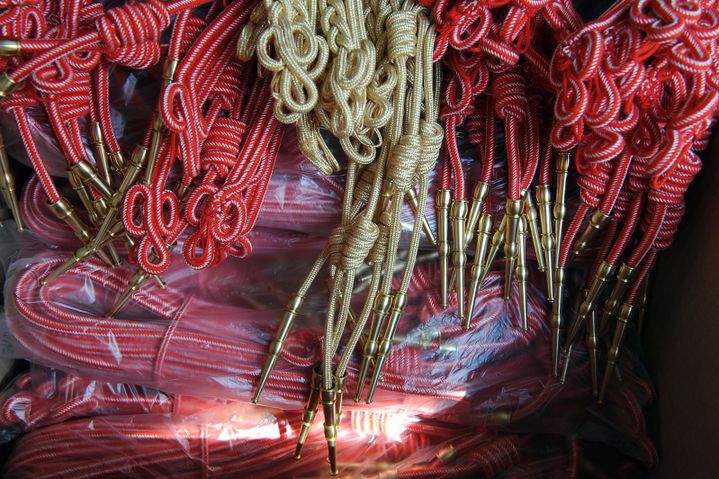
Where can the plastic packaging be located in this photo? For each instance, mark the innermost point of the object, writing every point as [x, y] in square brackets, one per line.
[144, 433]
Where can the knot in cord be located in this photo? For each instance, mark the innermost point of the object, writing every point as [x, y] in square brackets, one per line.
[131, 33]
[431, 136]
[401, 35]
[358, 239]
[222, 146]
[402, 166]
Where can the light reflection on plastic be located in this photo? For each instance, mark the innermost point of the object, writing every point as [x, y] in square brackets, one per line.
[391, 425]
[230, 432]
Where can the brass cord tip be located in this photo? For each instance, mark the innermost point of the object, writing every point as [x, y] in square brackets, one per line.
[87, 174]
[560, 208]
[497, 241]
[546, 238]
[340, 386]
[557, 318]
[625, 314]
[64, 211]
[78, 256]
[133, 285]
[593, 350]
[587, 306]
[532, 227]
[310, 411]
[522, 273]
[292, 310]
[513, 212]
[7, 186]
[329, 397]
[442, 202]
[459, 256]
[380, 310]
[597, 222]
[10, 47]
[479, 194]
[101, 159]
[484, 234]
[565, 368]
[625, 275]
[117, 161]
[7, 86]
[414, 204]
[398, 304]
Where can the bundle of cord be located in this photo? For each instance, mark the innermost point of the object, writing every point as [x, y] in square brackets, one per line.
[212, 134]
[638, 94]
[124, 419]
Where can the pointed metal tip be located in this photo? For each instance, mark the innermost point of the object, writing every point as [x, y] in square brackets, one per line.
[264, 377]
[332, 459]
[298, 452]
[375, 378]
[121, 301]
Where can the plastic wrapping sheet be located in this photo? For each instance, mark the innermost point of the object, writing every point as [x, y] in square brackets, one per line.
[144, 433]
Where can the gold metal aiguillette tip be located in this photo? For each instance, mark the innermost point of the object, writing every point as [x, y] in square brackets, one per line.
[133, 285]
[625, 313]
[546, 238]
[597, 222]
[479, 194]
[587, 306]
[567, 362]
[484, 234]
[593, 350]
[7, 186]
[117, 160]
[78, 256]
[64, 211]
[532, 227]
[522, 272]
[497, 241]
[414, 204]
[380, 310]
[560, 208]
[7, 86]
[87, 174]
[292, 310]
[340, 382]
[459, 256]
[557, 318]
[308, 416]
[624, 279]
[513, 215]
[9, 47]
[101, 159]
[442, 202]
[398, 304]
[329, 397]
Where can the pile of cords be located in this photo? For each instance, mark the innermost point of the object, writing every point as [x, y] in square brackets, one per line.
[464, 390]
[150, 433]
[205, 160]
[385, 87]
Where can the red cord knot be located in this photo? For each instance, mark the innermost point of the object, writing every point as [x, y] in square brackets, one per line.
[131, 32]
[222, 147]
[220, 216]
[510, 95]
[151, 215]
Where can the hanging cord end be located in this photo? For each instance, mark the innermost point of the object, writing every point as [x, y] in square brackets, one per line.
[532, 227]
[414, 204]
[565, 368]
[443, 201]
[587, 306]
[557, 318]
[522, 272]
[87, 174]
[593, 350]
[329, 397]
[395, 313]
[544, 200]
[277, 345]
[340, 382]
[380, 310]
[7, 86]
[137, 162]
[308, 417]
[134, 284]
[98, 147]
[459, 256]
[513, 210]
[497, 241]
[7, 186]
[560, 208]
[10, 47]
[484, 234]
[624, 278]
[597, 222]
[479, 194]
[625, 313]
